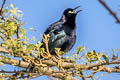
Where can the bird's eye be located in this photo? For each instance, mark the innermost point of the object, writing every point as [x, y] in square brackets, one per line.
[70, 12]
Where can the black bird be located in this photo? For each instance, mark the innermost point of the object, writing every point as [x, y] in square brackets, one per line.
[63, 32]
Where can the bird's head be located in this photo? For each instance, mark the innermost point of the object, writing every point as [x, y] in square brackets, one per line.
[70, 13]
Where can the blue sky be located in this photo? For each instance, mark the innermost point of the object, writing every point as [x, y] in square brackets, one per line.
[96, 28]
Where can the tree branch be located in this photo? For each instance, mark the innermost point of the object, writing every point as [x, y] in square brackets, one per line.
[110, 11]
[59, 74]
[14, 62]
[64, 64]
[1, 9]
[4, 50]
[43, 70]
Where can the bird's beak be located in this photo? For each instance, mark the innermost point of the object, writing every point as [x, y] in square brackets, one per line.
[77, 11]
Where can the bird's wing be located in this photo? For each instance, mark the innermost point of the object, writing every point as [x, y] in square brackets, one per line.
[55, 31]
[55, 25]
[57, 36]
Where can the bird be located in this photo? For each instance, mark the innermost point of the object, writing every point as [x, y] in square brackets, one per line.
[63, 32]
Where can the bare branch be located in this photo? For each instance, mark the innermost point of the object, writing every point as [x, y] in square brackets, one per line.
[82, 75]
[5, 50]
[59, 74]
[1, 9]
[43, 70]
[14, 62]
[110, 11]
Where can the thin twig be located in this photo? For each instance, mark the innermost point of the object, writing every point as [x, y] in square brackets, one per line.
[110, 11]
[2, 38]
[82, 75]
[1, 10]
[4, 50]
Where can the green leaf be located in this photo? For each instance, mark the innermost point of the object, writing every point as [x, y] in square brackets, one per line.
[23, 32]
[79, 49]
[11, 5]
[31, 28]
[33, 39]
[92, 56]
[106, 58]
[30, 46]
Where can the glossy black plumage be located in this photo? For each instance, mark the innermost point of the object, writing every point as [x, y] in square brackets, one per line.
[63, 32]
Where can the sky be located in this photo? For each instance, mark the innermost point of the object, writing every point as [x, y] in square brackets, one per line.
[96, 28]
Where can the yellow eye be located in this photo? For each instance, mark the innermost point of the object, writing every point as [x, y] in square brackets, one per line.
[70, 12]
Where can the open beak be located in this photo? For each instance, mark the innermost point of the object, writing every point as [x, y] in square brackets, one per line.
[77, 11]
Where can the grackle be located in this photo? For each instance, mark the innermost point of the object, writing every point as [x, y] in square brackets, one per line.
[63, 32]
